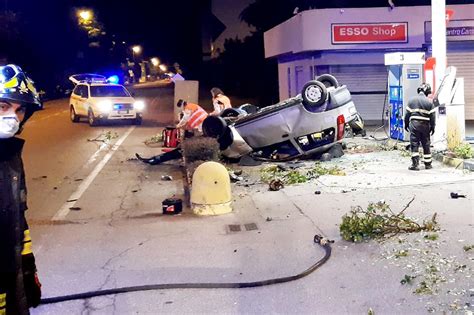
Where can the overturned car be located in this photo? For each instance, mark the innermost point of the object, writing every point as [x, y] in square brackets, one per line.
[305, 125]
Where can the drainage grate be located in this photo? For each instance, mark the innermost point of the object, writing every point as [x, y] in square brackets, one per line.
[251, 227]
[234, 228]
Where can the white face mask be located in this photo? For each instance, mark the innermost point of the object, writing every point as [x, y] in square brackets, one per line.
[9, 126]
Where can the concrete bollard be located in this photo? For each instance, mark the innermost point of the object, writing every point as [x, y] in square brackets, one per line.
[211, 191]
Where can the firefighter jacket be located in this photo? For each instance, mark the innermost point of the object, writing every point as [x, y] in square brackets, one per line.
[420, 108]
[193, 117]
[12, 222]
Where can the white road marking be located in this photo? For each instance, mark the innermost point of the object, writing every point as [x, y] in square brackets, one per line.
[64, 211]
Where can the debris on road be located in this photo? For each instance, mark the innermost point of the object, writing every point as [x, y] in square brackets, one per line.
[154, 141]
[75, 208]
[104, 137]
[317, 192]
[456, 195]
[166, 178]
[378, 221]
[276, 185]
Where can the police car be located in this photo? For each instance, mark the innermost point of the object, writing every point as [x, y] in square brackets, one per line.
[95, 98]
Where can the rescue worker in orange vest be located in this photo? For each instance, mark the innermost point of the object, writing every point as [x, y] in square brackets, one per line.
[20, 288]
[220, 101]
[193, 117]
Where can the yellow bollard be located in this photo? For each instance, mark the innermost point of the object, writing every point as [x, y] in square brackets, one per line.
[210, 191]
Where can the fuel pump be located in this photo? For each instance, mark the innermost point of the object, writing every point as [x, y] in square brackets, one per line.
[405, 74]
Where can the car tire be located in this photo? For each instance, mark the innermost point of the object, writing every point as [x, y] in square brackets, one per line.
[314, 94]
[137, 121]
[328, 80]
[213, 126]
[91, 119]
[73, 115]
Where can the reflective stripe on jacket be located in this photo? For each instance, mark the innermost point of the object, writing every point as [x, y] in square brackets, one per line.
[197, 116]
[420, 108]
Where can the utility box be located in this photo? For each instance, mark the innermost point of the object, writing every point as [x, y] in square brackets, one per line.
[405, 74]
[188, 91]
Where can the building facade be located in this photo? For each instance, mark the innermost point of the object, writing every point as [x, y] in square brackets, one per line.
[351, 43]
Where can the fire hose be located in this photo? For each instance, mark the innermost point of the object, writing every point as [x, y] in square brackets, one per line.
[318, 239]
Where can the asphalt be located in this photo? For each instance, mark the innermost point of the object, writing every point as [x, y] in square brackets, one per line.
[116, 235]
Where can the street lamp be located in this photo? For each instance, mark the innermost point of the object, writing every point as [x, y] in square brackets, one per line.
[155, 61]
[136, 50]
[163, 68]
[86, 15]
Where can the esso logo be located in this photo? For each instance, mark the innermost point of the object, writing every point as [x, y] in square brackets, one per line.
[354, 30]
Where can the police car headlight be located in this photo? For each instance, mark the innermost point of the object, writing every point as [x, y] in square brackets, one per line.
[139, 105]
[105, 106]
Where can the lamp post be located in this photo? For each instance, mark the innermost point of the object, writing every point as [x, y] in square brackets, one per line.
[136, 50]
[438, 33]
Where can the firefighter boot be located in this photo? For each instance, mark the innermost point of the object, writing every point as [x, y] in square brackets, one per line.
[428, 166]
[414, 163]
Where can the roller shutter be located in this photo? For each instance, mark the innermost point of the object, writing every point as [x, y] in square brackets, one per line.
[368, 85]
[464, 62]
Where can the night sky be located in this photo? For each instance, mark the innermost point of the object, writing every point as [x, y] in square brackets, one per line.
[51, 40]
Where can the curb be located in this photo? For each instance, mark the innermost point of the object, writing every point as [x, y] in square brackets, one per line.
[455, 162]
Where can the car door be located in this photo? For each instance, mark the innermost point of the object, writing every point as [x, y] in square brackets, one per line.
[75, 99]
[81, 102]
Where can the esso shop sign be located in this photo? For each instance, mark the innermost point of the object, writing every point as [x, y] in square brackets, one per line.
[370, 33]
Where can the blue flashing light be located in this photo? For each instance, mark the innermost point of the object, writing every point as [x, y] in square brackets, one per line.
[113, 79]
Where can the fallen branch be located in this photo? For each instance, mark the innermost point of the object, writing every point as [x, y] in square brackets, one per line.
[378, 221]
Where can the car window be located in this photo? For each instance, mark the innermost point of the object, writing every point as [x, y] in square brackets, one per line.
[77, 90]
[109, 91]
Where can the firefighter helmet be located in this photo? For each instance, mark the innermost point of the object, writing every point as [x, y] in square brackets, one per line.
[17, 87]
[425, 88]
[211, 193]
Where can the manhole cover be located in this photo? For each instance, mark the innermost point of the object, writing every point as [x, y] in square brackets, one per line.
[234, 228]
[251, 227]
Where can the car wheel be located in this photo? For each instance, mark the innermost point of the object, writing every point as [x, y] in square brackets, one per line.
[328, 80]
[73, 115]
[314, 94]
[213, 126]
[92, 120]
[138, 121]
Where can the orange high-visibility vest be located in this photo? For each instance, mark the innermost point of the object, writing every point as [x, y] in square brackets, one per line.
[197, 116]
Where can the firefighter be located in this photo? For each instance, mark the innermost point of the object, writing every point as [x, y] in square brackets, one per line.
[220, 101]
[420, 120]
[193, 117]
[20, 288]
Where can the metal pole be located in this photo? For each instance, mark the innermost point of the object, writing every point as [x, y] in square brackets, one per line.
[438, 34]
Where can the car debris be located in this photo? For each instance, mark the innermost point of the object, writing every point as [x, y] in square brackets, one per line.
[456, 195]
[166, 178]
[276, 185]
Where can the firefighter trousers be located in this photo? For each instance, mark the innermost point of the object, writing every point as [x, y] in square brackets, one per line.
[420, 133]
